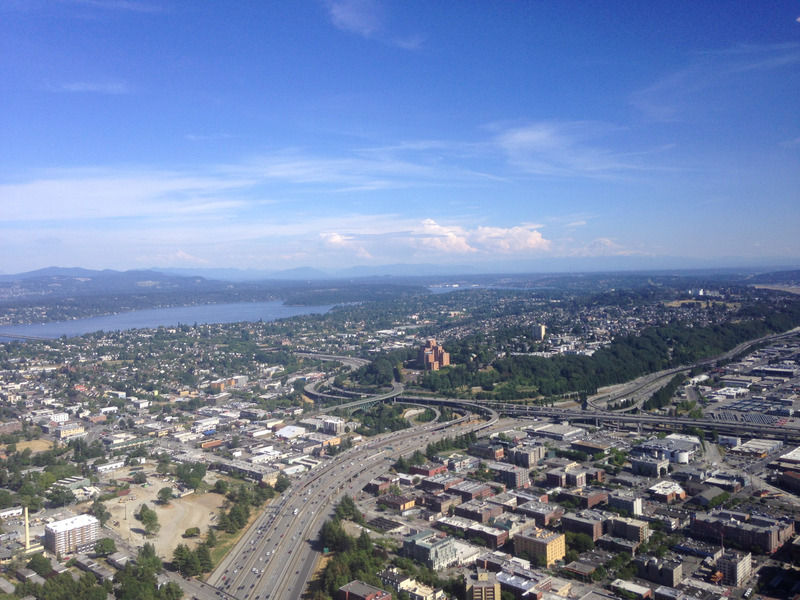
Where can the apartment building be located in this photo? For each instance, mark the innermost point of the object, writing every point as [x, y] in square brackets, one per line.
[76, 534]
[537, 542]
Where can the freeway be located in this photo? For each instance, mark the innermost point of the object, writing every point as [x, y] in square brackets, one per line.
[353, 362]
[397, 389]
[643, 387]
[276, 557]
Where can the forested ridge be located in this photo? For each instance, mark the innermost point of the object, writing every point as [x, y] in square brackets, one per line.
[628, 357]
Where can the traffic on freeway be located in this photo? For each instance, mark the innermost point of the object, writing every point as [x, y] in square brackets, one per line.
[275, 558]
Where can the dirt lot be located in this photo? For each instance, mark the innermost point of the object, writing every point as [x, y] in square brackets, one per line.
[35, 445]
[194, 510]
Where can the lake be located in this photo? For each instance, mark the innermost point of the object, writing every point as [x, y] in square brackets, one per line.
[166, 317]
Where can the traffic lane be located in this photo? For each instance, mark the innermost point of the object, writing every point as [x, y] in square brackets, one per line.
[329, 479]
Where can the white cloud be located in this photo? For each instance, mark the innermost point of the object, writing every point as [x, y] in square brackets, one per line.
[511, 240]
[455, 239]
[337, 241]
[449, 240]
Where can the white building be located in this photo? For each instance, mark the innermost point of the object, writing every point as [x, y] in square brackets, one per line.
[76, 534]
[290, 432]
[11, 512]
[110, 466]
[735, 567]
[627, 502]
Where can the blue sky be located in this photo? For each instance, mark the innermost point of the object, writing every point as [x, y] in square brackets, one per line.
[505, 135]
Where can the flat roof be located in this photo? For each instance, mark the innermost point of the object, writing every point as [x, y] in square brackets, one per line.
[72, 523]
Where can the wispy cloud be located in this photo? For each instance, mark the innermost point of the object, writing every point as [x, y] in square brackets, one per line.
[368, 18]
[356, 16]
[178, 258]
[110, 194]
[94, 87]
[791, 143]
[564, 149]
[681, 91]
[193, 137]
[121, 5]
[362, 170]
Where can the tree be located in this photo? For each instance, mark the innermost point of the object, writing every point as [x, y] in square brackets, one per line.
[204, 558]
[599, 573]
[180, 557]
[165, 495]
[579, 542]
[282, 484]
[211, 538]
[192, 566]
[223, 521]
[364, 542]
[104, 547]
[139, 478]
[60, 496]
[221, 486]
[100, 512]
[149, 519]
[191, 474]
[40, 565]
[171, 591]
[147, 558]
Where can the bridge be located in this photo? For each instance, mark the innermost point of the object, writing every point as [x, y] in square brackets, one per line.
[351, 407]
[594, 415]
[25, 338]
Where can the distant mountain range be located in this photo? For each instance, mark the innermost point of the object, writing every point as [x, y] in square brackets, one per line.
[312, 274]
[78, 280]
[61, 282]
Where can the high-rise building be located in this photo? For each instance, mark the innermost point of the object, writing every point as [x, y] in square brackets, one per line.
[432, 356]
[735, 567]
[76, 534]
[539, 331]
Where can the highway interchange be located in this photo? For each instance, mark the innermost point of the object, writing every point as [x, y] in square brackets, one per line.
[276, 557]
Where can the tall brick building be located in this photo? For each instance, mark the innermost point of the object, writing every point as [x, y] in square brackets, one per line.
[432, 356]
